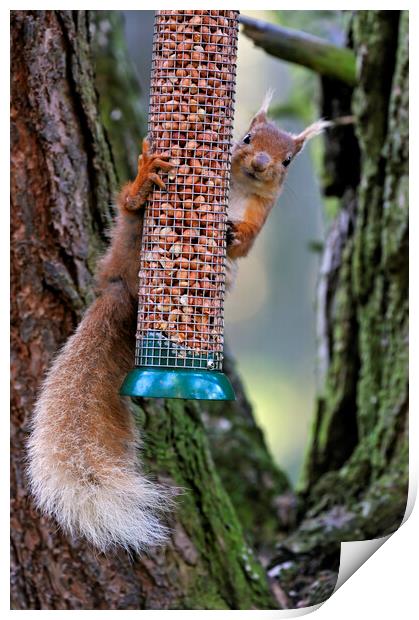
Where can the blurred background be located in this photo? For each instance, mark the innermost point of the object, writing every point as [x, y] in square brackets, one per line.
[271, 314]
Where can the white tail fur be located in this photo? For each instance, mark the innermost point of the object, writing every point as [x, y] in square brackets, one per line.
[75, 475]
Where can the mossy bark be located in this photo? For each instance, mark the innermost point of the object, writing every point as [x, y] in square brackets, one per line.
[356, 472]
[259, 490]
[63, 182]
[369, 321]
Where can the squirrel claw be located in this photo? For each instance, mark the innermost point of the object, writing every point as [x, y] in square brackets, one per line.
[146, 146]
[231, 234]
[148, 166]
[159, 163]
[153, 161]
[157, 180]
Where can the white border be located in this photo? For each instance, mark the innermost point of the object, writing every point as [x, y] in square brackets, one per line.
[386, 586]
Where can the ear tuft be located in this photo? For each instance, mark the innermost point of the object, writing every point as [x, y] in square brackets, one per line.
[262, 113]
[309, 132]
[267, 101]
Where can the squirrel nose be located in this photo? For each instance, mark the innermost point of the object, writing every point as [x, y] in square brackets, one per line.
[261, 161]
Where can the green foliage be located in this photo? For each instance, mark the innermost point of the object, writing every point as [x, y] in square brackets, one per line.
[329, 25]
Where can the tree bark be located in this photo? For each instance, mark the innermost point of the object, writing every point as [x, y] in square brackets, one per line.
[368, 317]
[62, 184]
[356, 473]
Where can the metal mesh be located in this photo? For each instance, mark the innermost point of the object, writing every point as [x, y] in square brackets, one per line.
[182, 271]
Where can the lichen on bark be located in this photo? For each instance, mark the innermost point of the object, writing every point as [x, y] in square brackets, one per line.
[356, 481]
[63, 182]
[372, 296]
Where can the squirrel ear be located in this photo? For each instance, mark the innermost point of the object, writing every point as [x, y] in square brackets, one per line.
[309, 132]
[261, 114]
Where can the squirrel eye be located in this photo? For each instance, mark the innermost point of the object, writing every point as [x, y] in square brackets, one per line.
[287, 161]
[246, 139]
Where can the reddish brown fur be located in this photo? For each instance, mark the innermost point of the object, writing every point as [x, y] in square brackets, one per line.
[259, 185]
[122, 259]
[114, 312]
[245, 232]
[82, 462]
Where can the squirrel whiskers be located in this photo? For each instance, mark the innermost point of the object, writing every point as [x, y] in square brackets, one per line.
[83, 466]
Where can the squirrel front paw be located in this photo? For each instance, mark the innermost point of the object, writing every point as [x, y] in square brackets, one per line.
[147, 176]
[231, 236]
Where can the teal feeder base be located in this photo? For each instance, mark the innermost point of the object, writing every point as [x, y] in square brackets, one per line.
[187, 383]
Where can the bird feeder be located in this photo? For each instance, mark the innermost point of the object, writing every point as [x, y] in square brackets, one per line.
[179, 342]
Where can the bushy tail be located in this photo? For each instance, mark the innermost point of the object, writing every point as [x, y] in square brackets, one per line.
[83, 465]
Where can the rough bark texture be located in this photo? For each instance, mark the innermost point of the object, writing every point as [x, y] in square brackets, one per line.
[259, 490]
[357, 465]
[369, 313]
[62, 185]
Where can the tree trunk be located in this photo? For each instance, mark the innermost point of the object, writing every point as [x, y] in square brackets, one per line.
[356, 473]
[368, 313]
[62, 184]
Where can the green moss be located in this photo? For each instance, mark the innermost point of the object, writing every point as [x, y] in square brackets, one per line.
[356, 474]
[223, 572]
[255, 483]
[367, 379]
[331, 205]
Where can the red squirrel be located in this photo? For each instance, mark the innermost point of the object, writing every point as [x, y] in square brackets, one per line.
[83, 465]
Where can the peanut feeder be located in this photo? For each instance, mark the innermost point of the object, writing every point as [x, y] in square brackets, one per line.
[179, 344]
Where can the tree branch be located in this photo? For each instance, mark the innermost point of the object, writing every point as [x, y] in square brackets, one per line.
[302, 48]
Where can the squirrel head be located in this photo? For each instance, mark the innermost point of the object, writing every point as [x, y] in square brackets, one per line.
[260, 160]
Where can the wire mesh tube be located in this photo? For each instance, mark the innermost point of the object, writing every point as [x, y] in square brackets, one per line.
[183, 254]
